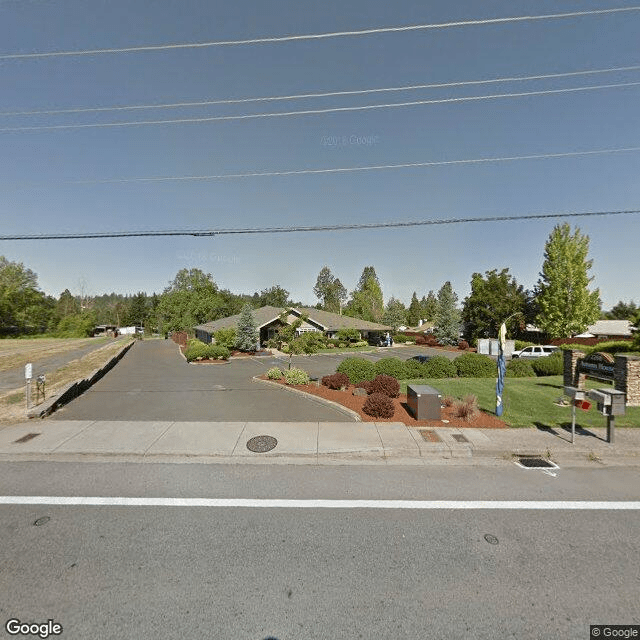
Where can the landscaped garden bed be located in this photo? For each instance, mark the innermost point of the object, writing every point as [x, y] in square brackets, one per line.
[400, 411]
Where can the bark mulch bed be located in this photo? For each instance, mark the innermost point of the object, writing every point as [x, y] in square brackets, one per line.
[401, 413]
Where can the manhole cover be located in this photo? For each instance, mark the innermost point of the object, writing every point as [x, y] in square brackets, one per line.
[458, 437]
[535, 462]
[429, 436]
[40, 521]
[261, 444]
[26, 438]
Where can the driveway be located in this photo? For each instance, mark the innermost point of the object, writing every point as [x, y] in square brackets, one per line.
[154, 382]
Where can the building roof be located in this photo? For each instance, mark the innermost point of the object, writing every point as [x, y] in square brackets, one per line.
[328, 321]
[610, 328]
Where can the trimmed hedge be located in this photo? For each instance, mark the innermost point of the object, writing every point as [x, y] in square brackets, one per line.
[552, 365]
[357, 369]
[439, 367]
[475, 365]
[391, 367]
[520, 369]
[414, 370]
[378, 406]
[613, 346]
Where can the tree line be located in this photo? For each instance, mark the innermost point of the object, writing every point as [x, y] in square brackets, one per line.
[560, 304]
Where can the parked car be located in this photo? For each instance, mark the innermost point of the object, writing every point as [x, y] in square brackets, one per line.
[536, 351]
[377, 341]
[420, 359]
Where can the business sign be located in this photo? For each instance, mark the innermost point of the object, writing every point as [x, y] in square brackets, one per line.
[597, 365]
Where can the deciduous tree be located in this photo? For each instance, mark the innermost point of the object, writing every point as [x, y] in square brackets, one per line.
[566, 305]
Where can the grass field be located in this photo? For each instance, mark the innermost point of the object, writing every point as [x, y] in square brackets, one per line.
[12, 402]
[16, 352]
[528, 402]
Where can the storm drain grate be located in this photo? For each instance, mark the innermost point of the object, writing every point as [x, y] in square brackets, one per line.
[262, 444]
[26, 438]
[429, 436]
[535, 462]
[458, 437]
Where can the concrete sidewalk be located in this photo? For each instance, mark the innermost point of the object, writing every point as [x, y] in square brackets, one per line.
[306, 443]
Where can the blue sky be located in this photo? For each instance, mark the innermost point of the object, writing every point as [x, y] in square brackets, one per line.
[36, 167]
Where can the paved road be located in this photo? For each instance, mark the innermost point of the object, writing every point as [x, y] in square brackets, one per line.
[312, 573]
[154, 382]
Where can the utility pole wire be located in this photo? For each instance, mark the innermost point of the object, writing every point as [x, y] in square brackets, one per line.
[300, 229]
[315, 36]
[307, 112]
[323, 94]
[379, 167]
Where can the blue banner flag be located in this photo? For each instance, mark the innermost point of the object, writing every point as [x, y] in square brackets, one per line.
[502, 368]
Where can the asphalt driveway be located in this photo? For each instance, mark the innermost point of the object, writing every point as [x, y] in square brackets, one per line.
[154, 382]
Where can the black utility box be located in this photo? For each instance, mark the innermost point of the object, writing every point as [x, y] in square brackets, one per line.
[424, 402]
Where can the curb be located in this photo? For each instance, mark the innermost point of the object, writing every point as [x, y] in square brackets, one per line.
[349, 412]
[74, 389]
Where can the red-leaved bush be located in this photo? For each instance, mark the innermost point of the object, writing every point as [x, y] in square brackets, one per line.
[386, 385]
[378, 405]
[336, 381]
[463, 345]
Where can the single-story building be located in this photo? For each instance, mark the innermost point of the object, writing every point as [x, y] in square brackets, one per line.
[609, 329]
[268, 321]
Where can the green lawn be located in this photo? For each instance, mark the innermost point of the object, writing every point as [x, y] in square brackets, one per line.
[528, 402]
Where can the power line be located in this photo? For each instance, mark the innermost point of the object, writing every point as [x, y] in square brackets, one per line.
[281, 114]
[379, 167]
[297, 229]
[323, 94]
[316, 36]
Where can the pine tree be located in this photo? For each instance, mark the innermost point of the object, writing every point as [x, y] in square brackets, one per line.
[447, 320]
[428, 305]
[566, 305]
[395, 314]
[414, 313]
[247, 334]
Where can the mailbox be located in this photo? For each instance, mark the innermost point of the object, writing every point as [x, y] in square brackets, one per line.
[611, 402]
[424, 402]
[574, 394]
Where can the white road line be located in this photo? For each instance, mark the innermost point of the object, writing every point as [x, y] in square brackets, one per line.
[583, 505]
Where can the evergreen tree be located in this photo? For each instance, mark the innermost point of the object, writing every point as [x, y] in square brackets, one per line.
[414, 313]
[246, 333]
[447, 320]
[395, 313]
[428, 305]
[492, 300]
[566, 305]
[366, 301]
[622, 311]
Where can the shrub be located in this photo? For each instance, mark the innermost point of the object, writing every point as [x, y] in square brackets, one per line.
[225, 337]
[552, 365]
[357, 369]
[360, 343]
[613, 346]
[467, 408]
[387, 385]
[296, 376]
[401, 338]
[414, 370]
[195, 349]
[274, 373]
[521, 344]
[336, 381]
[463, 345]
[520, 369]
[217, 351]
[439, 367]
[391, 367]
[378, 406]
[475, 365]
[431, 341]
[448, 401]
[348, 335]
[364, 384]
